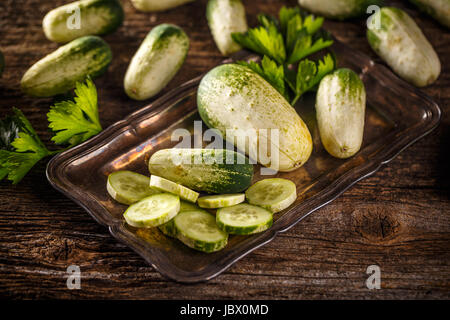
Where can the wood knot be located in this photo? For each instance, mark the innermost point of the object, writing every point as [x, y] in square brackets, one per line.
[376, 226]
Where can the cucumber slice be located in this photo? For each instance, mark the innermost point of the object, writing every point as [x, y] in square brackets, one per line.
[128, 187]
[198, 230]
[168, 228]
[274, 194]
[244, 219]
[153, 211]
[165, 185]
[221, 200]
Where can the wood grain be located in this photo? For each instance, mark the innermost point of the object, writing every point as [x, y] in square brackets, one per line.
[398, 219]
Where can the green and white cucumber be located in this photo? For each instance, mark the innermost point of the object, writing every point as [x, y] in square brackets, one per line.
[221, 200]
[156, 62]
[338, 9]
[274, 194]
[128, 187]
[168, 228]
[153, 210]
[82, 18]
[224, 18]
[399, 41]
[59, 71]
[340, 112]
[165, 185]
[244, 219]
[207, 170]
[157, 5]
[438, 9]
[198, 230]
[238, 102]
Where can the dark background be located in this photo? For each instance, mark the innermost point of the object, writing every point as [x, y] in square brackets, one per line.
[398, 219]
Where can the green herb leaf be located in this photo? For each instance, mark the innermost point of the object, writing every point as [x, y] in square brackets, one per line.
[78, 120]
[20, 147]
[270, 71]
[305, 45]
[309, 75]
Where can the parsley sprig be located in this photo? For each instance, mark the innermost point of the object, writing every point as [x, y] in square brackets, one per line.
[285, 42]
[72, 121]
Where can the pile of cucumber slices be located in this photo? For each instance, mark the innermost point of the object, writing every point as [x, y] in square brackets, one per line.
[182, 213]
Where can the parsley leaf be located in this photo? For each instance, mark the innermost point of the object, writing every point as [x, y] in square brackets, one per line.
[309, 75]
[76, 121]
[270, 71]
[20, 147]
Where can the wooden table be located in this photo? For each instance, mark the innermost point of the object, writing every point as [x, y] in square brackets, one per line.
[398, 219]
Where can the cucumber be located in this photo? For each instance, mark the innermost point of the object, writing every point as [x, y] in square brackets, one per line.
[274, 194]
[165, 185]
[153, 210]
[168, 228]
[338, 9]
[233, 99]
[2, 63]
[96, 17]
[128, 187]
[156, 62]
[157, 5]
[198, 230]
[340, 112]
[224, 18]
[244, 219]
[401, 43]
[221, 201]
[438, 9]
[59, 71]
[207, 170]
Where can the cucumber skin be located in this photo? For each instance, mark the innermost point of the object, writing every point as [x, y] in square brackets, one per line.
[233, 96]
[438, 9]
[2, 63]
[243, 231]
[340, 111]
[343, 9]
[55, 21]
[403, 46]
[157, 5]
[48, 77]
[169, 228]
[217, 13]
[143, 79]
[221, 178]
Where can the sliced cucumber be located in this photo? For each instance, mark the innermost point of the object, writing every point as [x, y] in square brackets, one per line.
[165, 185]
[128, 187]
[153, 211]
[221, 200]
[244, 219]
[168, 228]
[198, 230]
[272, 194]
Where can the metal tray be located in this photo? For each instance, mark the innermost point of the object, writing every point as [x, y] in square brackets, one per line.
[397, 115]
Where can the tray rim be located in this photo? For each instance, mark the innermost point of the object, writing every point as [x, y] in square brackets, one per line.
[325, 196]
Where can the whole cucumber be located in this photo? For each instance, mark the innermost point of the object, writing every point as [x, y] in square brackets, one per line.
[438, 9]
[338, 9]
[157, 5]
[59, 71]
[208, 170]
[232, 97]
[156, 62]
[340, 110]
[401, 43]
[96, 17]
[224, 18]
[2, 63]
